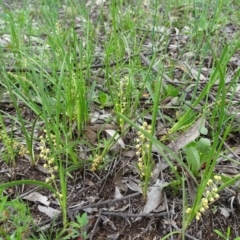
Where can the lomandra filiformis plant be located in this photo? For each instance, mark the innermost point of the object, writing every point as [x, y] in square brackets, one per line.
[144, 162]
[211, 194]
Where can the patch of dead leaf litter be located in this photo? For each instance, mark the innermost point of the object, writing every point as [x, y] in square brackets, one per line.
[111, 198]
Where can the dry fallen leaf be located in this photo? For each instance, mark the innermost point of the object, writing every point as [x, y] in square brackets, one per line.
[99, 2]
[154, 196]
[195, 74]
[189, 136]
[90, 135]
[134, 186]
[158, 167]
[225, 212]
[117, 194]
[94, 116]
[113, 133]
[129, 153]
[42, 169]
[5, 40]
[37, 197]
[51, 212]
[184, 139]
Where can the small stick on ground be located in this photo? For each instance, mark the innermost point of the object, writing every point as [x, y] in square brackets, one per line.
[110, 201]
[95, 225]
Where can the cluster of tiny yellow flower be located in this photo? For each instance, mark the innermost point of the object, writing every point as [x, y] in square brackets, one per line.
[23, 150]
[51, 168]
[58, 27]
[44, 155]
[11, 145]
[96, 161]
[121, 107]
[142, 148]
[58, 195]
[211, 196]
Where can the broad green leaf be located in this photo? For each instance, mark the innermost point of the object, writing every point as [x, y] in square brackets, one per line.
[169, 90]
[193, 159]
[203, 147]
[103, 98]
[203, 130]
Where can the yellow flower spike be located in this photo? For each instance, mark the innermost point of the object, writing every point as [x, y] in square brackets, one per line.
[205, 205]
[204, 202]
[219, 178]
[188, 210]
[41, 148]
[211, 199]
[210, 182]
[144, 124]
[138, 153]
[202, 209]
[47, 150]
[142, 137]
[138, 146]
[50, 161]
[198, 218]
[216, 177]
[216, 196]
[140, 165]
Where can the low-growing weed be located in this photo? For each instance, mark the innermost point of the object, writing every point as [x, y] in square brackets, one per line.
[227, 235]
[15, 219]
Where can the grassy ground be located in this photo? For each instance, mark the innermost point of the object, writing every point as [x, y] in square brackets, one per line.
[118, 119]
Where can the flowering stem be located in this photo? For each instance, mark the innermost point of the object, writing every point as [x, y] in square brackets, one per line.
[149, 163]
